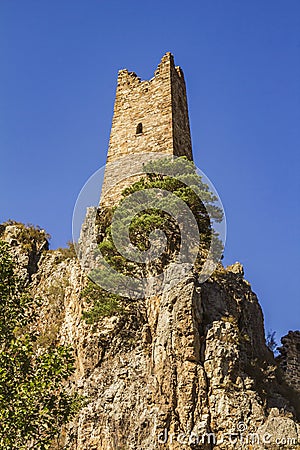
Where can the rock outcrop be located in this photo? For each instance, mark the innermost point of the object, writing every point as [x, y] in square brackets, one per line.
[187, 369]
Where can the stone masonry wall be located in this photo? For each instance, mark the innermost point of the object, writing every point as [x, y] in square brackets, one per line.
[180, 117]
[290, 358]
[160, 106]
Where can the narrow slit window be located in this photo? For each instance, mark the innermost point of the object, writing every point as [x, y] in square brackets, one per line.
[139, 128]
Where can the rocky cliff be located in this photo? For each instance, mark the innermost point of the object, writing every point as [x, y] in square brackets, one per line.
[187, 369]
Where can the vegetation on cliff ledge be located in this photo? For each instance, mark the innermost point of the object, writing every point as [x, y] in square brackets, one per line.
[33, 401]
[170, 200]
[179, 178]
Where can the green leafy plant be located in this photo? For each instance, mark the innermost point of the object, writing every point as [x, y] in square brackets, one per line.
[181, 179]
[34, 404]
[101, 303]
[143, 216]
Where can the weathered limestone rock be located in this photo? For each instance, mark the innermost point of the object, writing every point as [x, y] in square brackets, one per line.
[186, 369]
[27, 245]
[88, 240]
[183, 370]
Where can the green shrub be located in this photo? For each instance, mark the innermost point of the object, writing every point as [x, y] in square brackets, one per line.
[180, 179]
[34, 404]
[101, 303]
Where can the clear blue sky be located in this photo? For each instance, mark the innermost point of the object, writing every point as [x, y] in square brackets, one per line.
[241, 59]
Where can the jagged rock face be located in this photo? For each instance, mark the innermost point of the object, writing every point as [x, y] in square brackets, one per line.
[27, 245]
[182, 370]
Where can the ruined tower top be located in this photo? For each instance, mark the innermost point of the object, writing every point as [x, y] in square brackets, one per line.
[151, 116]
[150, 119]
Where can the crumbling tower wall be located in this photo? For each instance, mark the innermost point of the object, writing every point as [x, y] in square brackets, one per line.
[149, 117]
[290, 358]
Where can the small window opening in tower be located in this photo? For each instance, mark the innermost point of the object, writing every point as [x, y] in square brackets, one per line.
[139, 128]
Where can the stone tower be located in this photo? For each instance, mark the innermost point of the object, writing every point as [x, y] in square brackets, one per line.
[289, 358]
[149, 117]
